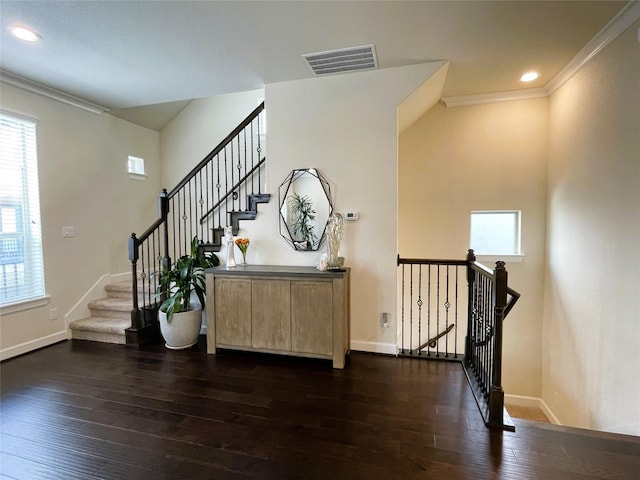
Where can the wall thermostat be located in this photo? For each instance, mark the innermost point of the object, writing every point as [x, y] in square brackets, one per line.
[351, 216]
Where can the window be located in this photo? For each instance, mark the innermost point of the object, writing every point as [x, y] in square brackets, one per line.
[135, 165]
[495, 232]
[21, 263]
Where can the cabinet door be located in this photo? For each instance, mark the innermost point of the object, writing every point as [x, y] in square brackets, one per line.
[233, 312]
[311, 317]
[271, 315]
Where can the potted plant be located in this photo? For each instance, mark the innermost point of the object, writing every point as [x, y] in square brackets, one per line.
[179, 315]
[303, 226]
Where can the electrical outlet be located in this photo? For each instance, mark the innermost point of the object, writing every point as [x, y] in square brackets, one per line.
[384, 320]
[53, 314]
[68, 232]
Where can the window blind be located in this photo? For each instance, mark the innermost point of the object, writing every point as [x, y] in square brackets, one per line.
[21, 261]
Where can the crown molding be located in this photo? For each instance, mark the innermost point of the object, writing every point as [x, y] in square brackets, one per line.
[612, 30]
[464, 100]
[629, 14]
[48, 92]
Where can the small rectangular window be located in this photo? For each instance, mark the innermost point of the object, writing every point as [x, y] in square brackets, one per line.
[135, 166]
[495, 232]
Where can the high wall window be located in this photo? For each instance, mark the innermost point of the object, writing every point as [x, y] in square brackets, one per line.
[21, 263]
[495, 232]
[135, 166]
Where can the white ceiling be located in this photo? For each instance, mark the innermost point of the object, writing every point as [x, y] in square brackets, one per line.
[127, 54]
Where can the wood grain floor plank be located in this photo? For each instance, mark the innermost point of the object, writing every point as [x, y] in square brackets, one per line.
[83, 410]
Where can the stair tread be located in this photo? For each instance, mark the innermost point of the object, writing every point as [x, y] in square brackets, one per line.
[123, 289]
[101, 324]
[112, 303]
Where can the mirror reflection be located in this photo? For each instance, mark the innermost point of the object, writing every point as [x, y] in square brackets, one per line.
[305, 206]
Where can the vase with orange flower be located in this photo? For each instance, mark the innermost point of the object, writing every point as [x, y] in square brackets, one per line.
[243, 245]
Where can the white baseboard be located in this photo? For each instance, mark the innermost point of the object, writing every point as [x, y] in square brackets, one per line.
[80, 310]
[375, 347]
[32, 345]
[535, 402]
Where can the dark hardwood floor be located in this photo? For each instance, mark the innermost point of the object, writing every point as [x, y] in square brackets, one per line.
[84, 410]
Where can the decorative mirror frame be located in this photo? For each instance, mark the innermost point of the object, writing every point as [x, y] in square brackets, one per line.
[286, 229]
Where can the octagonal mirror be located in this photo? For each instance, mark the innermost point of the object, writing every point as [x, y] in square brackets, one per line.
[305, 205]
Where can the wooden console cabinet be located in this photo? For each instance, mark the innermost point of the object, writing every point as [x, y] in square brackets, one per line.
[287, 310]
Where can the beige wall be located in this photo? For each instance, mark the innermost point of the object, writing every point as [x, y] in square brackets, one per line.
[483, 157]
[82, 163]
[592, 310]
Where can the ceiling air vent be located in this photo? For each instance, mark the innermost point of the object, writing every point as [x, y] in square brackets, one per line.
[344, 60]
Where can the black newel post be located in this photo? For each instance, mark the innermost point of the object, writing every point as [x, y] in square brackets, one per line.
[163, 213]
[471, 276]
[496, 395]
[136, 320]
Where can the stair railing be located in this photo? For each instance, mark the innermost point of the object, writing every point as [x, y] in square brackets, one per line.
[432, 306]
[223, 188]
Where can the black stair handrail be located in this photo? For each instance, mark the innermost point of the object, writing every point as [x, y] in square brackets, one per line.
[235, 164]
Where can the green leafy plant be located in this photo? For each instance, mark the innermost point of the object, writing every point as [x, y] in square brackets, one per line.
[184, 277]
[303, 226]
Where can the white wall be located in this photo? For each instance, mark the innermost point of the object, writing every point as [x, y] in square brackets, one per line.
[591, 349]
[345, 126]
[482, 157]
[82, 163]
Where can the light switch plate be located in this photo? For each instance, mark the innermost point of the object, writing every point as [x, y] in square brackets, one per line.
[68, 232]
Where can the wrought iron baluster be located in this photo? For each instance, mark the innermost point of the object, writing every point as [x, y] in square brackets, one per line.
[447, 305]
[438, 308]
[252, 160]
[259, 150]
[419, 303]
[429, 305]
[455, 330]
[239, 167]
[411, 310]
[402, 310]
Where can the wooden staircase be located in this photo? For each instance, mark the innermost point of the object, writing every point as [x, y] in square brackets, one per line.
[222, 189]
[110, 316]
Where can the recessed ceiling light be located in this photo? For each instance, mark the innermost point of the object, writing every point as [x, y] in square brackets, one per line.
[25, 34]
[529, 77]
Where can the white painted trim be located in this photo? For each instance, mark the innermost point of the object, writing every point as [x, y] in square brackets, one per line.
[375, 347]
[535, 402]
[464, 100]
[24, 305]
[48, 92]
[612, 30]
[140, 177]
[487, 258]
[32, 345]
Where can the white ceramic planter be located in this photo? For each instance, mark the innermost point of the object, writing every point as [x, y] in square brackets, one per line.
[184, 328]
